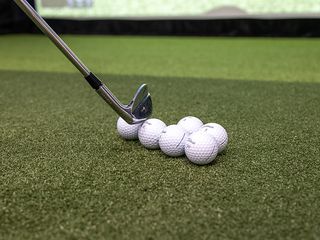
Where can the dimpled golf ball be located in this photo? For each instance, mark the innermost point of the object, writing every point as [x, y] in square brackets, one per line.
[126, 130]
[201, 148]
[149, 133]
[218, 132]
[172, 140]
[190, 124]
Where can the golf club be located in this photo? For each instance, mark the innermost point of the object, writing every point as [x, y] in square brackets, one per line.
[139, 108]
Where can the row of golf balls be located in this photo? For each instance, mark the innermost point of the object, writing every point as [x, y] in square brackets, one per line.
[200, 143]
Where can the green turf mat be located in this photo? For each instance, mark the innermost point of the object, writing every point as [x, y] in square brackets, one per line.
[227, 58]
[65, 173]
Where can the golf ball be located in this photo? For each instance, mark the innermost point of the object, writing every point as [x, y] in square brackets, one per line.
[172, 140]
[149, 133]
[218, 132]
[126, 130]
[201, 148]
[190, 124]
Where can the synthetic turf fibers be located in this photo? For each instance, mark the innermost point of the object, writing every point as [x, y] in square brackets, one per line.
[66, 174]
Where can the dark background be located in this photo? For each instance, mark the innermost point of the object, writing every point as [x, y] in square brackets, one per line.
[12, 20]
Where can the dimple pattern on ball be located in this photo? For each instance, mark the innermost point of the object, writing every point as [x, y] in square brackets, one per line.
[201, 148]
[218, 132]
[172, 140]
[127, 131]
[149, 133]
[190, 124]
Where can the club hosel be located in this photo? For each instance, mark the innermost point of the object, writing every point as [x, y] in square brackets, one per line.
[114, 103]
[108, 97]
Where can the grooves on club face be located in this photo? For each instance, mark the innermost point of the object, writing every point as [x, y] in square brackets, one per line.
[144, 110]
[141, 104]
[139, 96]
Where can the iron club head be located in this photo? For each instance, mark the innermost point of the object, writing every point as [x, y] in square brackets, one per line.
[138, 110]
[141, 104]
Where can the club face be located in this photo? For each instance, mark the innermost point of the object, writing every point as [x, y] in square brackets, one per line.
[141, 105]
[140, 94]
[144, 109]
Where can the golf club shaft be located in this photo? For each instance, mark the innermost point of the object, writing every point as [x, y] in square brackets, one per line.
[94, 82]
[47, 30]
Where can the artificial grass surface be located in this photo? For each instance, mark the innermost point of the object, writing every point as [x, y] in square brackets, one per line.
[226, 58]
[65, 173]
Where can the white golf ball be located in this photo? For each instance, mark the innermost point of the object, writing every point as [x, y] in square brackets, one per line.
[190, 124]
[201, 148]
[126, 130]
[218, 132]
[149, 133]
[172, 140]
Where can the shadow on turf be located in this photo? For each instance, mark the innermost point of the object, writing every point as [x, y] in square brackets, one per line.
[255, 113]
